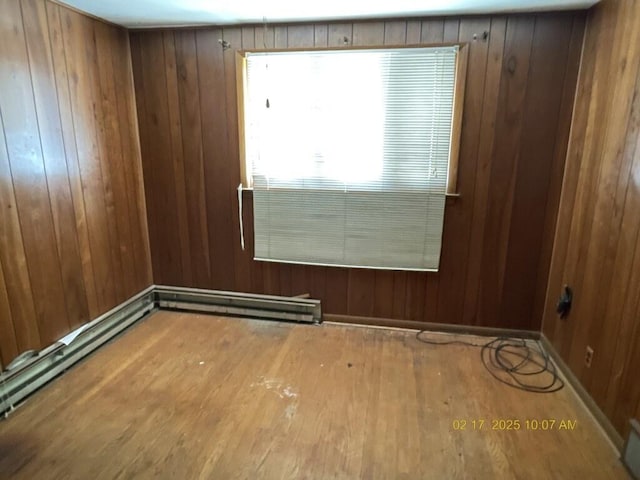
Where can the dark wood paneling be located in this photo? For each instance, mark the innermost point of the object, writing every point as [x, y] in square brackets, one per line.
[597, 238]
[40, 56]
[132, 165]
[14, 265]
[72, 233]
[513, 137]
[552, 41]
[510, 119]
[193, 168]
[219, 173]
[20, 124]
[445, 290]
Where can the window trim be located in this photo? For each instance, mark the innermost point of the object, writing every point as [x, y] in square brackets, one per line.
[456, 124]
[458, 101]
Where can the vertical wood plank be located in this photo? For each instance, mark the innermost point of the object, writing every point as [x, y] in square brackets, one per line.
[337, 282]
[551, 326]
[300, 279]
[193, 163]
[144, 133]
[320, 35]
[558, 166]
[55, 164]
[493, 72]
[75, 36]
[112, 160]
[451, 29]
[340, 34]
[163, 194]
[395, 32]
[369, 33]
[248, 36]
[383, 294]
[399, 294]
[415, 295]
[174, 105]
[360, 295]
[541, 113]
[71, 156]
[300, 36]
[621, 301]
[8, 341]
[414, 32]
[25, 156]
[456, 242]
[264, 36]
[271, 279]
[280, 36]
[509, 126]
[432, 31]
[13, 259]
[218, 167]
[130, 135]
[101, 111]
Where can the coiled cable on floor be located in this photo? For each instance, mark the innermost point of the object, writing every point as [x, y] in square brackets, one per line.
[515, 362]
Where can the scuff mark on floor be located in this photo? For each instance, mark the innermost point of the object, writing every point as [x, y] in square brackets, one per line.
[276, 386]
[291, 410]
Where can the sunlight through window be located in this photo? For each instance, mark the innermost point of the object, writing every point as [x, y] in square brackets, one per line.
[348, 154]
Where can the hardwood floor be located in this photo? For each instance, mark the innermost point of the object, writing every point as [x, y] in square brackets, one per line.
[184, 396]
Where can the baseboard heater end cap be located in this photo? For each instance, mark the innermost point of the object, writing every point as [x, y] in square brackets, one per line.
[631, 450]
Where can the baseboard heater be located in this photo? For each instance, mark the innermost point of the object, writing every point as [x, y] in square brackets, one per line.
[29, 372]
[32, 370]
[266, 307]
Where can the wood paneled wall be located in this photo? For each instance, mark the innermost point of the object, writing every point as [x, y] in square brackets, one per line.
[73, 235]
[497, 236]
[597, 243]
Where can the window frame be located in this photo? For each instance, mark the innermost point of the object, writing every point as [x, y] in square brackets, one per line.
[457, 114]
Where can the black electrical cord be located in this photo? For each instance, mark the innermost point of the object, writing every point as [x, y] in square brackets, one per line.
[510, 361]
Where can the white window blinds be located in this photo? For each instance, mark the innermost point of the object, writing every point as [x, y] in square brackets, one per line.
[348, 152]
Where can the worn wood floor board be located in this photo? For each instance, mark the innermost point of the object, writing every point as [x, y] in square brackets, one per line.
[197, 396]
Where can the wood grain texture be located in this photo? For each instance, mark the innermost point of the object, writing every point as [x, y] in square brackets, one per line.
[496, 251]
[8, 341]
[597, 238]
[21, 130]
[232, 398]
[72, 225]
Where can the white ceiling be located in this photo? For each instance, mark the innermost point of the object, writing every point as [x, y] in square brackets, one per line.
[153, 13]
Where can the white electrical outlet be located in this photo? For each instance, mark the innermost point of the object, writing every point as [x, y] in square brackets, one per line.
[588, 357]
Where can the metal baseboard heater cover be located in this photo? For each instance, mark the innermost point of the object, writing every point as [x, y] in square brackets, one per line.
[265, 307]
[38, 368]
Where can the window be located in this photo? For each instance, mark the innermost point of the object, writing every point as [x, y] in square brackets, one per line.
[350, 153]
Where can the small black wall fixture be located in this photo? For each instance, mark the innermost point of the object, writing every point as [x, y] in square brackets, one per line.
[564, 303]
